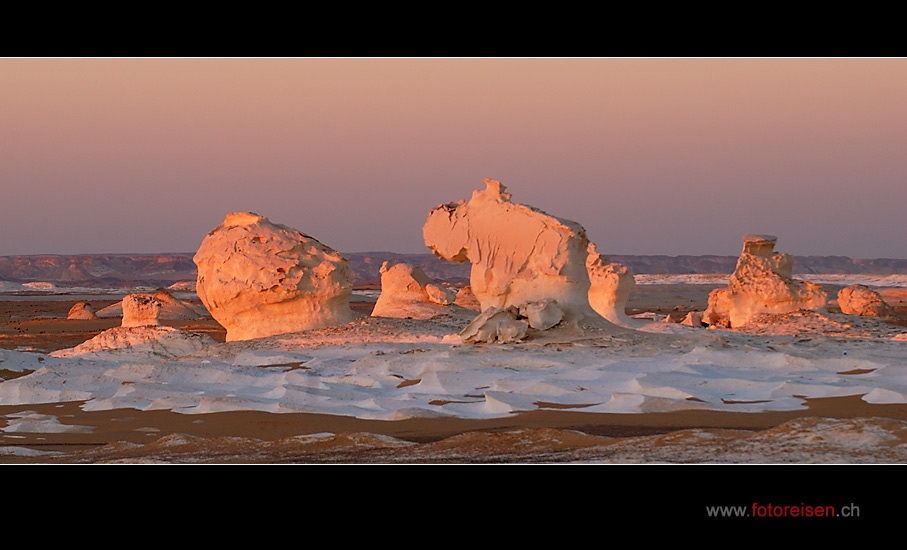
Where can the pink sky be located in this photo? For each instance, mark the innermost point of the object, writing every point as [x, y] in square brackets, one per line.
[652, 156]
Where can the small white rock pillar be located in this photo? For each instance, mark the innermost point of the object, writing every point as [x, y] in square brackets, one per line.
[611, 284]
[141, 310]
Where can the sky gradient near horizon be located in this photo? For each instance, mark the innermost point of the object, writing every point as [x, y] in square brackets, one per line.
[651, 156]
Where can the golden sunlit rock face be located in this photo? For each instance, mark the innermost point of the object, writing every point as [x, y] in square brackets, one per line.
[141, 310]
[407, 292]
[761, 283]
[859, 299]
[610, 287]
[258, 279]
[82, 310]
[519, 254]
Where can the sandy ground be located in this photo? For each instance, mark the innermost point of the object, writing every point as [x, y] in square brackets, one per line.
[541, 436]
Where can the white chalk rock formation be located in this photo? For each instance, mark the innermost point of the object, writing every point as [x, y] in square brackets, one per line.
[440, 295]
[138, 342]
[862, 300]
[761, 283]
[82, 310]
[496, 325]
[610, 287]
[141, 310]
[172, 308]
[408, 293]
[519, 254]
[258, 279]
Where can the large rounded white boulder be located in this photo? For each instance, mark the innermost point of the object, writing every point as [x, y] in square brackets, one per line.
[258, 279]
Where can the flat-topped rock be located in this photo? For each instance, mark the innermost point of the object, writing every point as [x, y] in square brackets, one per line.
[759, 245]
[141, 310]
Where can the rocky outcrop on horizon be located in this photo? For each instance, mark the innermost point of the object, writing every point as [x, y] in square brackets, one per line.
[100, 270]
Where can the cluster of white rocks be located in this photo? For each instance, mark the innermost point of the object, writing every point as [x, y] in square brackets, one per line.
[169, 308]
[140, 310]
[140, 331]
[530, 271]
[761, 284]
[511, 324]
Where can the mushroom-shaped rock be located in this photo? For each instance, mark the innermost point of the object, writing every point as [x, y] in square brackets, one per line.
[610, 288]
[760, 284]
[258, 279]
[141, 310]
[519, 254]
[407, 292]
[82, 310]
[862, 300]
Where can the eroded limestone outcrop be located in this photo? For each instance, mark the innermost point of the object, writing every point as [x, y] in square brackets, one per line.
[172, 308]
[519, 254]
[141, 310]
[138, 341]
[761, 283]
[610, 287]
[408, 293]
[258, 279]
[862, 300]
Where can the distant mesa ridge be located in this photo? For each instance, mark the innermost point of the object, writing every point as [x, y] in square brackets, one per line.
[129, 270]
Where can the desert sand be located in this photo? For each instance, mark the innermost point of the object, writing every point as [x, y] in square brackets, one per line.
[830, 429]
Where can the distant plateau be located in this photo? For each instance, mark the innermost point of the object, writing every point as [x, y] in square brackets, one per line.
[129, 270]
